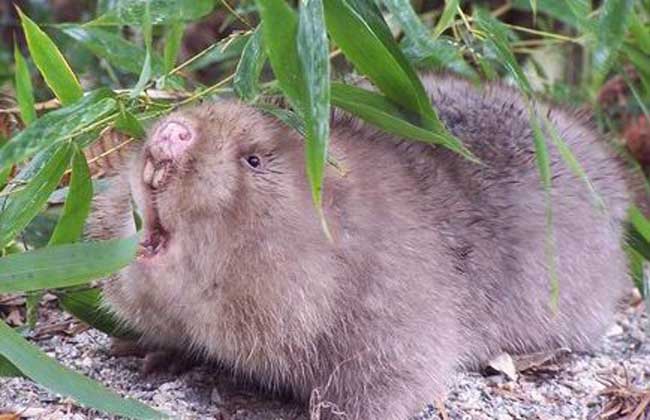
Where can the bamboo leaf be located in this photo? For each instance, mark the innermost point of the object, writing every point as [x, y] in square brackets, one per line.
[46, 372]
[64, 265]
[497, 36]
[162, 12]
[28, 202]
[173, 42]
[127, 123]
[112, 47]
[359, 29]
[145, 74]
[50, 62]
[313, 53]
[24, 90]
[56, 125]
[381, 112]
[447, 17]
[87, 305]
[640, 32]
[279, 28]
[77, 204]
[250, 67]
[571, 161]
[7, 369]
[610, 33]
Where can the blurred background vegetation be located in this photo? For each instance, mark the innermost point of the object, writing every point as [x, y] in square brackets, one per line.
[80, 80]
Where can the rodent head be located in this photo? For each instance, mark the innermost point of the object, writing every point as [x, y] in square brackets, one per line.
[231, 241]
[223, 166]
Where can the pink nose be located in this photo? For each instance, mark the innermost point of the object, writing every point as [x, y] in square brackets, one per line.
[171, 140]
[165, 149]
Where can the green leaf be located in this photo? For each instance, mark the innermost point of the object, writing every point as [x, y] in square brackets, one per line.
[250, 67]
[313, 53]
[610, 33]
[441, 54]
[497, 37]
[50, 62]
[24, 90]
[163, 12]
[279, 28]
[544, 166]
[173, 42]
[640, 32]
[571, 161]
[7, 369]
[64, 265]
[77, 204]
[56, 125]
[287, 117]
[359, 29]
[225, 49]
[447, 17]
[639, 222]
[410, 22]
[48, 373]
[87, 305]
[127, 123]
[23, 205]
[381, 112]
[145, 74]
[112, 47]
[572, 12]
[635, 264]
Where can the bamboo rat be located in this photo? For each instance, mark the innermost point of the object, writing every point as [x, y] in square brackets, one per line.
[435, 262]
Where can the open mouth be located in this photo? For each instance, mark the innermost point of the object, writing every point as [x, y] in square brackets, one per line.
[156, 237]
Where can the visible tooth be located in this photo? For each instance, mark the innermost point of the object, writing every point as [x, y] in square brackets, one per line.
[158, 177]
[147, 172]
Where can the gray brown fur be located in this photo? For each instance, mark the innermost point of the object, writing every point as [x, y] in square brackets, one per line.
[435, 262]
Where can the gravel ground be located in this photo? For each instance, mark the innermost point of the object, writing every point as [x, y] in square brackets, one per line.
[574, 386]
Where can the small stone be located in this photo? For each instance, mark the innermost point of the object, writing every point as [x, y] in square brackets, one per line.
[614, 330]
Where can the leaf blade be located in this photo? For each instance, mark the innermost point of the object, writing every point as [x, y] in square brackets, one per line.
[77, 204]
[24, 90]
[65, 265]
[50, 62]
[39, 367]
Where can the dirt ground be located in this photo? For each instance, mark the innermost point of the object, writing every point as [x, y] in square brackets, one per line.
[609, 383]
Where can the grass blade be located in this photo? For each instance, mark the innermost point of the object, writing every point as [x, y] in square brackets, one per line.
[24, 90]
[39, 367]
[50, 62]
[64, 265]
[25, 204]
[77, 204]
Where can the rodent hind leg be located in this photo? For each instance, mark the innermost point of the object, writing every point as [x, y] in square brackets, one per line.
[154, 360]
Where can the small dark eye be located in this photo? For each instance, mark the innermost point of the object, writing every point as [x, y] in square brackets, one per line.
[253, 161]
